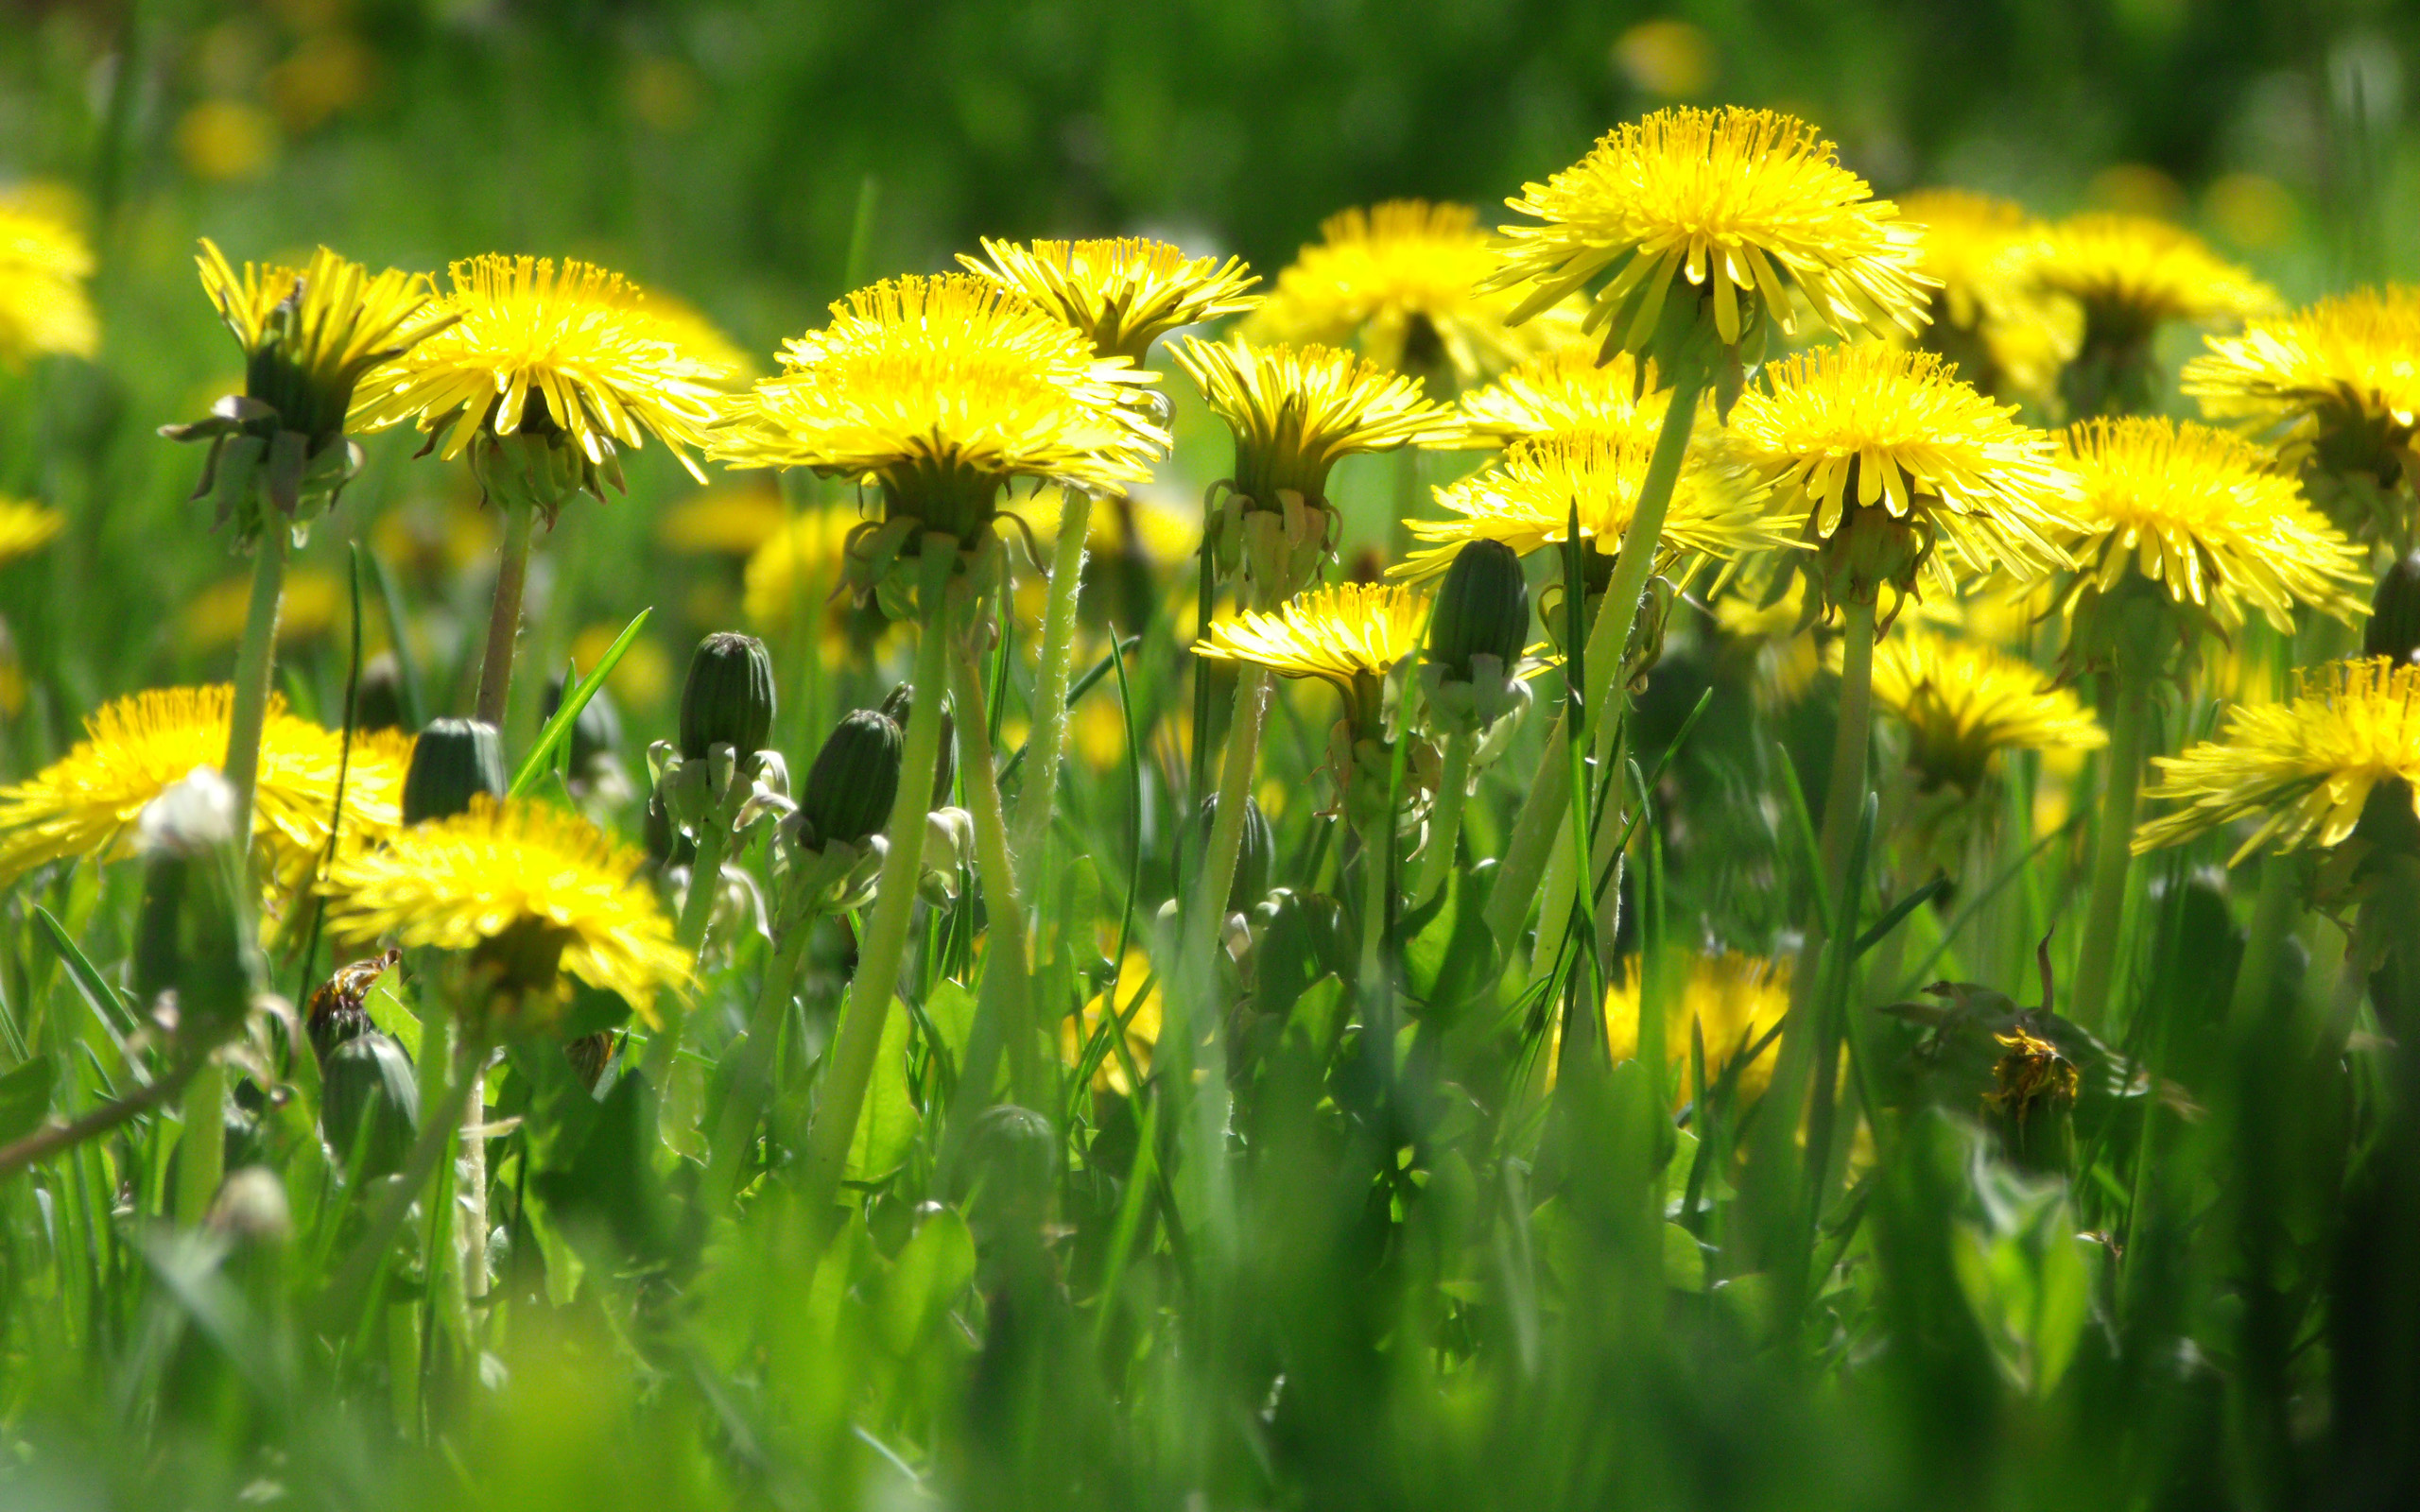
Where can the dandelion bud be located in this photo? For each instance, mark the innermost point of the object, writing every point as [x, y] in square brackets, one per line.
[190, 938]
[368, 1104]
[898, 705]
[452, 760]
[729, 697]
[855, 777]
[378, 702]
[1482, 611]
[2393, 630]
[1255, 856]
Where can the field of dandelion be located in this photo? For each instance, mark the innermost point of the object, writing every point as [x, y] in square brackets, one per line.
[1559, 792]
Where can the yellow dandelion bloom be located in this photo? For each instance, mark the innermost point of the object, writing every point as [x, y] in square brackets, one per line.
[1962, 703]
[1123, 293]
[311, 334]
[2345, 370]
[1525, 501]
[945, 388]
[1747, 205]
[1733, 999]
[1562, 391]
[26, 528]
[2209, 515]
[514, 872]
[1138, 1009]
[539, 348]
[86, 803]
[1338, 634]
[44, 264]
[1986, 314]
[1296, 411]
[2304, 768]
[1401, 282]
[1875, 425]
[725, 522]
[2132, 273]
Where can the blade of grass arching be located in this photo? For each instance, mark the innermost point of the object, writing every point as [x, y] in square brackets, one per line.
[1649, 785]
[1134, 819]
[1966, 915]
[997, 693]
[534, 765]
[98, 995]
[1575, 722]
[1806, 829]
[407, 685]
[1076, 692]
[19, 1052]
[345, 771]
[1898, 915]
[1140, 1177]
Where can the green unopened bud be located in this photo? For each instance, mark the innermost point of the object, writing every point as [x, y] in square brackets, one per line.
[2393, 630]
[1255, 855]
[191, 938]
[899, 704]
[1482, 611]
[729, 697]
[368, 1104]
[378, 703]
[853, 780]
[595, 732]
[453, 761]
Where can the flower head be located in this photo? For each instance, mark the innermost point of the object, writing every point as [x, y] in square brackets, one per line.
[1340, 634]
[943, 389]
[2207, 514]
[1525, 501]
[1562, 391]
[537, 888]
[1124, 293]
[569, 356]
[1295, 411]
[1964, 702]
[2005, 337]
[1401, 282]
[2306, 769]
[1734, 1000]
[2132, 273]
[44, 264]
[88, 801]
[1751, 207]
[26, 527]
[1903, 466]
[309, 334]
[1138, 1008]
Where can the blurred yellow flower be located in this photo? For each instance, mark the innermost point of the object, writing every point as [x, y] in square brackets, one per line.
[1670, 59]
[224, 139]
[1986, 316]
[732, 520]
[1124, 293]
[2337, 382]
[44, 264]
[328, 71]
[314, 600]
[2251, 210]
[2305, 768]
[26, 527]
[2132, 273]
[641, 679]
[1734, 1000]
[1746, 204]
[1400, 281]
[1138, 1008]
[1962, 703]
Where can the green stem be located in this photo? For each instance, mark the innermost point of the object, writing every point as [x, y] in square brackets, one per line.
[255, 666]
[202, 1163]
[1206, 910]
[690, 929]
[1009, 1023]
[752, 1060]
[504, 615]
[1376, 837]
[2274, 913]
[2112, 854]
[1048, 743]
[1541, 822]
[53, 1138]
[1198, 767]
[884, 941]
[474, 1206]
[1444, 821]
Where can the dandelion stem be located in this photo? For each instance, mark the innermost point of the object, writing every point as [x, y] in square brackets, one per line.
[503, 617]
[851, 1063]
[1539, 826]
[1048, 743]
[51, 1138]
[1007, 1021]
[751, 1059]
[255, 666]
[1444, 821]
[2112, 854]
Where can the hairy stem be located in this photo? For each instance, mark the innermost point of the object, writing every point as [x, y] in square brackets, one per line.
[2112, 854]
[504, 615]
[1048, 743]
[752, 1060]
[1003, 1017]
[1444, 821]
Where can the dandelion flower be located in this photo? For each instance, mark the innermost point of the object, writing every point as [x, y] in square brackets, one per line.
[1749, 206]
[727, 521]
[1296, 411]
[2306, 769]
[1124, 293]
[2005, 337]
[539, 887]
[2210, 516]
[943, 389]
[1527, 499]
[568, 353]
[2132, 273]
[1564, 391]
[1962, 703]
[1139, 1009]
[1401, 281]
[1888, 436]
[1340, 634]
[25, 528]
[86, 803]
[1734, 1000]
[44, 264]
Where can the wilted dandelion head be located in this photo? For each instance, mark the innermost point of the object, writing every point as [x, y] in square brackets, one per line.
[1401, 282]
[2306, 769]
[2338, 382]
[1341, 633]
[1525, 501]
[549, 349]
[1962, 703]
[1881, 436]
[2132, 273]
[44, 264]
[2208, 515]
[88, 801]
[534, 887]
[943, 389]
[1746, 205]
[1296, 411]
[1123, 293]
